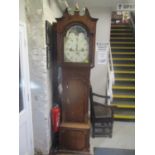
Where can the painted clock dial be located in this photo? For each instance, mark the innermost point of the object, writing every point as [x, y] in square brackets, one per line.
[76, 45]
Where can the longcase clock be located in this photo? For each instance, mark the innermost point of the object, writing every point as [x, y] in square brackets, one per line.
[75, 45]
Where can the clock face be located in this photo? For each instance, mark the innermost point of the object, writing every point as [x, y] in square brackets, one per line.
[76, 45]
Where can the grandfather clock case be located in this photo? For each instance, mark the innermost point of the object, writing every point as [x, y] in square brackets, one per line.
[75, 46]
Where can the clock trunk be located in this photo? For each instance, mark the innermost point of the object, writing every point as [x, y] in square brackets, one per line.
[76, 94]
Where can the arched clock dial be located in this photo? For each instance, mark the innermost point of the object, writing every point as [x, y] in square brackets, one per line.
[76, 47]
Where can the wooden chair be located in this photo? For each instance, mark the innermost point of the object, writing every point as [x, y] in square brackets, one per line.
[101, 116]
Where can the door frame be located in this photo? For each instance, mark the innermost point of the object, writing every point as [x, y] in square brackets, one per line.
[24, 64]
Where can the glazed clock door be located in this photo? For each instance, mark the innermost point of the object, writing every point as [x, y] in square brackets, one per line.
[76, 45]
[75, 103]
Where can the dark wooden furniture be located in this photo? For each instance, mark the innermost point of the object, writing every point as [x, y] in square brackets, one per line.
[101, 116]
[75, 48]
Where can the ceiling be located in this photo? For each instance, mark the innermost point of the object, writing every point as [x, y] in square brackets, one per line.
[93, 3]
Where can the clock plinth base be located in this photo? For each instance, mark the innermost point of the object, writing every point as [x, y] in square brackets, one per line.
[74, 137]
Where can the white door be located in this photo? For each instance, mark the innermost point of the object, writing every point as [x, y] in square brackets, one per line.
[25, 115]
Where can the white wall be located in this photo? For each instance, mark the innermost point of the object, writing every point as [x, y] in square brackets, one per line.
[99, 72]
[21, 11]
[51, 10]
